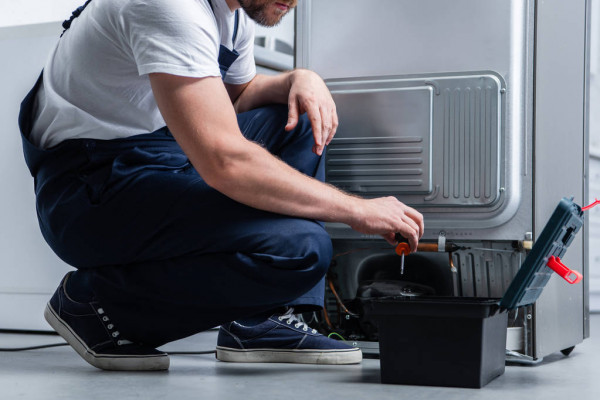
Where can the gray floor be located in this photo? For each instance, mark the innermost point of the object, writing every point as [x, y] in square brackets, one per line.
[60, 373]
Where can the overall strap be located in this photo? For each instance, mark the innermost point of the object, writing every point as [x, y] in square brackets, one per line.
[235, 25]
[67, 23]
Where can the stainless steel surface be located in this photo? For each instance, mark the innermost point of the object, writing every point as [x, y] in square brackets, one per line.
[415, 40]
[433, 140]
[594, 234]
[420, 40]
[586, 160]
[559, 170]
[594, 163]
[514, 339]
[518, 358]
[528, 334]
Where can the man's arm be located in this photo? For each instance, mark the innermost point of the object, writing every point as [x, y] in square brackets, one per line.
[202, 119]
[302, 90]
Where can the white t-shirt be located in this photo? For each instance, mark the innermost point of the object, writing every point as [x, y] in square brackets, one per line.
[96, 81]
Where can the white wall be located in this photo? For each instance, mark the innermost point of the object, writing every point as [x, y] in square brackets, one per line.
[35, 11]
[29, 270]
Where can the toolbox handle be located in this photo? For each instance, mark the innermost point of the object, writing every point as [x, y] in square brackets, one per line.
[565, 272]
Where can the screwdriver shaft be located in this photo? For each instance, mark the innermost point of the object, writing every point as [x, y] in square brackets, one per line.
[402, 264]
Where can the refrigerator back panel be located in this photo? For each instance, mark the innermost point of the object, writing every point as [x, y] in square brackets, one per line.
[433, 140]
[434, 107]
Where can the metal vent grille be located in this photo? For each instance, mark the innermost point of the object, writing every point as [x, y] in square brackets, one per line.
[432, 141]
[381, 165]
[384, 140]
[471, 140]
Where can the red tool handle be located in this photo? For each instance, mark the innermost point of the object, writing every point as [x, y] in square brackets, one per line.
[403, 248]
[594, 204]
[565, 272]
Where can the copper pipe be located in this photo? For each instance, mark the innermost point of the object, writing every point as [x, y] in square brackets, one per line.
[337, 297]
[451, 261]
[433, 247]
[326, 315]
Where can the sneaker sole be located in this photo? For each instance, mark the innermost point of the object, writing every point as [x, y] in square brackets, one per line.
[329, 357]
[116, 362]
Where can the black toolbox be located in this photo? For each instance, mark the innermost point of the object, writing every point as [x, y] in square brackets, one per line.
[454, 341]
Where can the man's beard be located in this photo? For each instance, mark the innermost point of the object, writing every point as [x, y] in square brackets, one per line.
[257, 11]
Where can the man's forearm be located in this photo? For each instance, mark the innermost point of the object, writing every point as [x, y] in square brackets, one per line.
[257, 178]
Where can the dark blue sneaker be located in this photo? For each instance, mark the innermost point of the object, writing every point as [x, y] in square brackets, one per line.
[87, 328]
[282, 339]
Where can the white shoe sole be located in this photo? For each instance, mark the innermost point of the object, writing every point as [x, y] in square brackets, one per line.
[329, 357]
[112, 362]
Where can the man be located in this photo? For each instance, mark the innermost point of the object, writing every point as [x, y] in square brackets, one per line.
[211, 220]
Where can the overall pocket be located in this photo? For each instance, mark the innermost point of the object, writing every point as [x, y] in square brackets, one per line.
[107, 175]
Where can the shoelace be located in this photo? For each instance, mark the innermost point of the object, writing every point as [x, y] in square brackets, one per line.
[291, 318]
[109, 326]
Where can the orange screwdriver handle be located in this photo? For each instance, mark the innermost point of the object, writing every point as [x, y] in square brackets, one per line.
[403, 249]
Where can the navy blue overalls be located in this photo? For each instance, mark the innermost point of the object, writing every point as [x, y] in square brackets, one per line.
[164, 253]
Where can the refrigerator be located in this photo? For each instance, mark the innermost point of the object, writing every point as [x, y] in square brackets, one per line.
[475, 113]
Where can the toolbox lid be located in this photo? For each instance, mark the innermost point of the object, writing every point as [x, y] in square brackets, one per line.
[534, 273]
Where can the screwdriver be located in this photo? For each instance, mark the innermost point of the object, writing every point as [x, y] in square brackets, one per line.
[429, 246]
[402, 249]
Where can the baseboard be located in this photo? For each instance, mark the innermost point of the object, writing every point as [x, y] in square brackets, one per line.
[23, 311]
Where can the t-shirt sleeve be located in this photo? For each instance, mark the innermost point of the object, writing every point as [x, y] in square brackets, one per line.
[179, 38]
[244, 68]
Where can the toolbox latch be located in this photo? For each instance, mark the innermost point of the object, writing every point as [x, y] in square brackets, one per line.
[565, 272]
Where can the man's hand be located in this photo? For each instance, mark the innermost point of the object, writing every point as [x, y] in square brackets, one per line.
[387, 216]
[309, 94]
[303, 90]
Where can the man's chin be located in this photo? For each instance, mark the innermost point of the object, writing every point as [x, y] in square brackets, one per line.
[267, 14]
[269, 22]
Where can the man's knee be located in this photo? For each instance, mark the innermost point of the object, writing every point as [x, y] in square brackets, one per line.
[279, 114]
[298, 249]
[274, 115]
[313, 246]
[273, 118]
